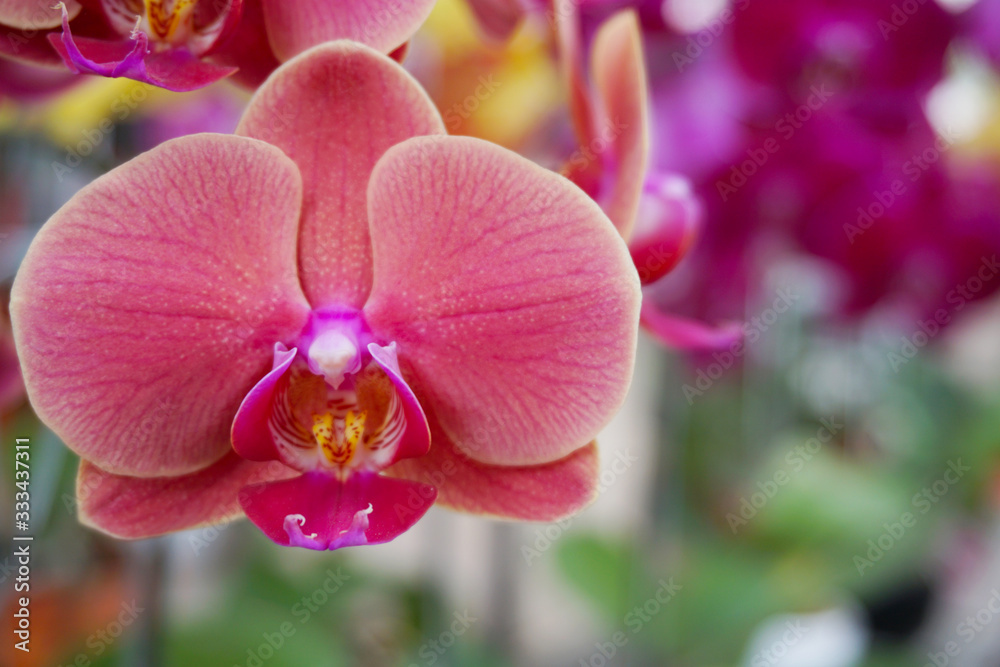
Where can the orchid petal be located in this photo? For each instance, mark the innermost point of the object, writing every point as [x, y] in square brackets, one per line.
[294, 27]
[251, 434]
[147, 306]
[620, 79]
[546, 492]
[581, 104]
[520, 334]
[137, 507]
[685, 334]
[29, 15]
[335, 110]
[318, 511]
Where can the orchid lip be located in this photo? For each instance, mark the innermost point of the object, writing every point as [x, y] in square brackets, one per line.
[334, 407]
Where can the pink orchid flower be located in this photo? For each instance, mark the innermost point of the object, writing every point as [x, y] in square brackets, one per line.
[656, 212]
[327, 321]
[187, 44]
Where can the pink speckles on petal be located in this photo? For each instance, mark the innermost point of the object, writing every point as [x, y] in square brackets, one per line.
[520, 334]
[149, 305]
[335, 111]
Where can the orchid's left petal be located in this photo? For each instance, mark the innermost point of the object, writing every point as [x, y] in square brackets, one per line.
[619, 73]
[335, 110]
[547, 492]
[138, 507]
[173, 69]
[148, 306]
[294, 26]
[520, 334]
[318, 511]
[686, 334]
[251, 434]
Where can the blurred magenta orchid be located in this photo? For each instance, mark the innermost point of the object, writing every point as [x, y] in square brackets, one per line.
[656, 212]
[187, 44]
[327, 322]
[498, 19]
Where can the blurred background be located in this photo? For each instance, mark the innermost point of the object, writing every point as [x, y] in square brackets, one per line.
[825, 494]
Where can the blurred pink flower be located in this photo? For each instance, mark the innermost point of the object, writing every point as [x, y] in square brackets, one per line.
[656, 211]
[327, 321]
[188, 44]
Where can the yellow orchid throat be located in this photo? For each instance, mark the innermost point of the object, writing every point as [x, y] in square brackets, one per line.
[170, 20]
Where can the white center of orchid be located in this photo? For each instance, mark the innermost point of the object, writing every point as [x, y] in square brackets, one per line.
[335, 355]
